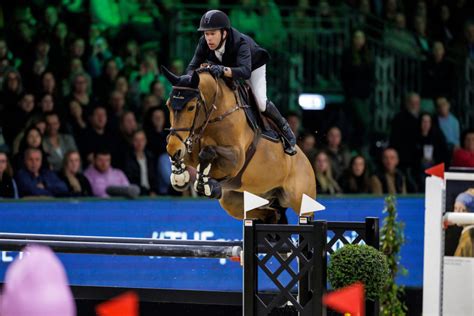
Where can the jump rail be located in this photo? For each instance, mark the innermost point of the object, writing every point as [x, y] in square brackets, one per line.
[124, 246]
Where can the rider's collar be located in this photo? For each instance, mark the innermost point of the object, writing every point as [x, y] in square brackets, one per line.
[180, 96]
[220, 51]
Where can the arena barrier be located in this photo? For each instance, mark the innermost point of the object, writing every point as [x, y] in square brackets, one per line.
[306, 244]
[447, 280]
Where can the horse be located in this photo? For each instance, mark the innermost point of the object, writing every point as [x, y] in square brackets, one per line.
[209, 132]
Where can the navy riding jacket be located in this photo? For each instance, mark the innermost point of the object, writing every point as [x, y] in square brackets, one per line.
[241, 54]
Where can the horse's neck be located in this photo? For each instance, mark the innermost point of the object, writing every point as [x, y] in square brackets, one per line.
[215, 92]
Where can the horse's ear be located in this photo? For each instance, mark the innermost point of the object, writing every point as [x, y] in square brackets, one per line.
[169, 75]
[195, 80]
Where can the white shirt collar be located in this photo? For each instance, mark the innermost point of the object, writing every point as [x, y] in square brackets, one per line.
[220, 52]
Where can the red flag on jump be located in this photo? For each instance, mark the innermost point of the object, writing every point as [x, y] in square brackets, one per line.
[437, 171]
[350, 299]
[125, 304]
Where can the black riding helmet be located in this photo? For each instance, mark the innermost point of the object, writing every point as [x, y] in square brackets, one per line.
[214, 20]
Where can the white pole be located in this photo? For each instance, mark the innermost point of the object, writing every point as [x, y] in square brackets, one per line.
[459, 218]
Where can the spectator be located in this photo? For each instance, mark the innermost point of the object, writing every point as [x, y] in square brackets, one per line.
[16, 119]
[464, 48]
[389, 180]
[405, 126]
[325, 182]
[245, 17]
[443, 29]
[12, 90]
[464, 157]
[307, 143]
[37, 121]
[158, 90]
[437, 73]
[36, 64]
[431, 148]
[294, 122]
[56, 144]
[45, 104]
[76, 182]
[356, 179]
[140, 165]
[154, 127]
[48, 86]
[33, 138]
[76, 121]
[398, 38]
[130, 57]
[358, 81]
[271, 31]
[421, 36]
[78, 49]
[96, 136]
[116, 110]
[33, 180]
[127, 127]
[81, 90]
[8, 188]
[391, 8]
[448, 123]
[101, 175]
[337, 152]
[105, 84]
[100, 54]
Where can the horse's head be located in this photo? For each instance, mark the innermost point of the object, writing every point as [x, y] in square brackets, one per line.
[184, 104]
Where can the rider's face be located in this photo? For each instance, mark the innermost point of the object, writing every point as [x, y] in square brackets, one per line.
[213, 38]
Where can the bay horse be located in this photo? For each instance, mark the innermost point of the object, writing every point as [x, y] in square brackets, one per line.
[209, 131]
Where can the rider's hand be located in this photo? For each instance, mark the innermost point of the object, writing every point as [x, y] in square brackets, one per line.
[217, 71]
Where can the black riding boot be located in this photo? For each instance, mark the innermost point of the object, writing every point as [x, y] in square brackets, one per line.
[290, 140]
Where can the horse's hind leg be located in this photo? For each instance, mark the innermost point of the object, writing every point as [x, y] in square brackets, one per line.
[204, 184]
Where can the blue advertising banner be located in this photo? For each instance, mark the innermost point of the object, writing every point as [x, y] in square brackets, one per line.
[178, 219]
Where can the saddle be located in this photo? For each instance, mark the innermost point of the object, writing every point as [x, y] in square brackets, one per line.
[259, 123]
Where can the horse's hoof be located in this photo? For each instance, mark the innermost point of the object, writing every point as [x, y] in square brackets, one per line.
[208, 187]
[180, 181]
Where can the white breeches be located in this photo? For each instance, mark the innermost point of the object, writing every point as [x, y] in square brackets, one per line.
[258, 84]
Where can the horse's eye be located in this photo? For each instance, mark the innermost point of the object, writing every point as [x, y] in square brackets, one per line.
[191, 108]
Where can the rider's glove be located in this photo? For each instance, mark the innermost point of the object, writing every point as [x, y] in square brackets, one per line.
[217, 71]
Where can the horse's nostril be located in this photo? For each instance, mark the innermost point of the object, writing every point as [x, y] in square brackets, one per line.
[177, 155]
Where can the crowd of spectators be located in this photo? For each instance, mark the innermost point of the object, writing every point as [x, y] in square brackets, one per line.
[82, 98]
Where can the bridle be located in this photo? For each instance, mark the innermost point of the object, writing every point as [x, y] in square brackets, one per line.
[195, 133]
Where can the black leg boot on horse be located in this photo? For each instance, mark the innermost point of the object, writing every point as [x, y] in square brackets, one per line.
[275, 116]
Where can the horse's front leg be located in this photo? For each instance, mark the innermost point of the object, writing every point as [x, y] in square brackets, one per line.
[180, 178]
[204, 184]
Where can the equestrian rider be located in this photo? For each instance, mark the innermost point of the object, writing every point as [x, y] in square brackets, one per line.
[236, 55]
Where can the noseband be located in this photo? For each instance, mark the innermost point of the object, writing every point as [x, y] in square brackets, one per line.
[195, 133]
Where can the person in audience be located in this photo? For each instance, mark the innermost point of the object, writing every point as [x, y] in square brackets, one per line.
[325, 182]
[398, 37]
[405, 126]
[443, 29]
[78, 185]
[105, 84]
[358, 79]
[431, 147]
[389, 180]
[12, 89]
[421, 36]
[464, 157]
[8, 188]
[76, 122]
[16, 118]
[96, 136]
[33, 180]
[37, 121]
[116, 109]
[81, 90]
[437, 73]
[448, 123]
[337, 152]
[307, 143]
[140, 165]
[356, 179]
[154, 127]
[127, 127]
[33, 138]
[102, 175]
[56, 144]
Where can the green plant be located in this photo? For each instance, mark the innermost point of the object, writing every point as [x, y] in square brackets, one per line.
[363, 263]
[392, 239]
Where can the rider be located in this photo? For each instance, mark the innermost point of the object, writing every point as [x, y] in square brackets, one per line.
[236, 55]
